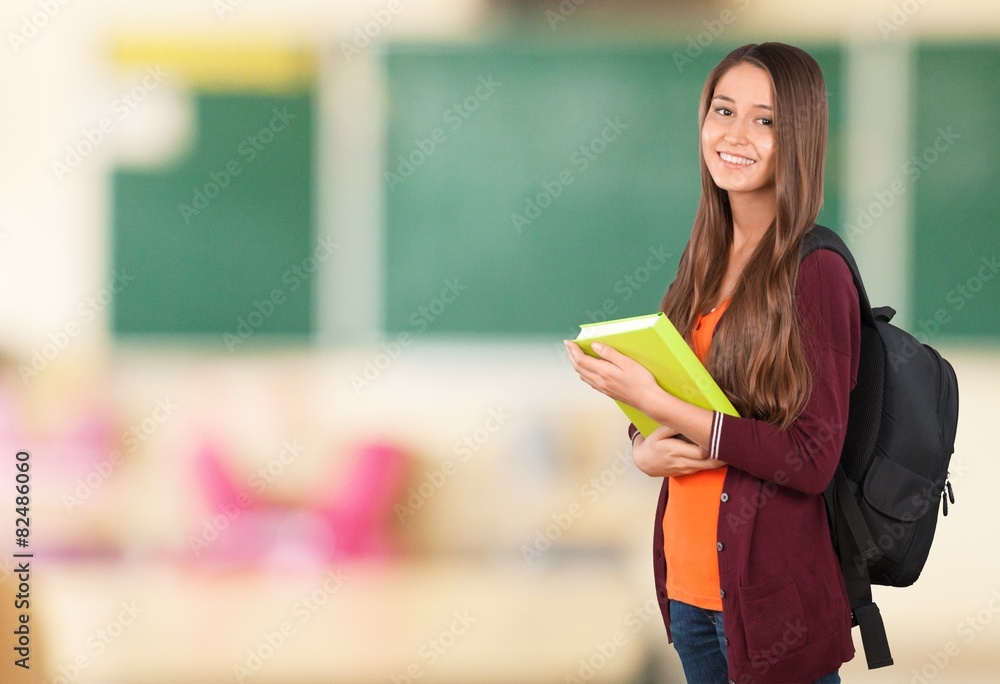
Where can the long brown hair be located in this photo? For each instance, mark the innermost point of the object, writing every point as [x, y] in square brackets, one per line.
[756, 354]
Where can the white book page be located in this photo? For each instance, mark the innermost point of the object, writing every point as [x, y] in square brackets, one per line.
[616, 327]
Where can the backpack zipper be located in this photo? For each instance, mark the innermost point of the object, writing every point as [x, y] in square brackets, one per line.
[947, 494]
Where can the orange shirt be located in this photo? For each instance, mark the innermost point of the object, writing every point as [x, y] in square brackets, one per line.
[691, 519]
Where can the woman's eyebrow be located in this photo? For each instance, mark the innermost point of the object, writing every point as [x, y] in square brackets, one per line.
[726, 98]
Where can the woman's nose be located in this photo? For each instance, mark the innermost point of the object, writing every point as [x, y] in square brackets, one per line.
[736, 133]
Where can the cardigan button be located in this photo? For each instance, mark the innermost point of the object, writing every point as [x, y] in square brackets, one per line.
[725, 497]
[719, 546]
[722, 593]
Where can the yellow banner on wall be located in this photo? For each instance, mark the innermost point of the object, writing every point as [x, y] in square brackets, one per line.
[214, 63]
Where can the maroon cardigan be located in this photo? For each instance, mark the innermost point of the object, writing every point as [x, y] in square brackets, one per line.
[787, 615]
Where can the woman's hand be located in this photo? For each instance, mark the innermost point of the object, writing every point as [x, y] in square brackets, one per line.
[624, 379]
[614, 374]
[663, 454]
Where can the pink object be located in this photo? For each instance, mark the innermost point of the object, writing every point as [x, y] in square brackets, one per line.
[217, 483]
[361, 514]
[354, 523]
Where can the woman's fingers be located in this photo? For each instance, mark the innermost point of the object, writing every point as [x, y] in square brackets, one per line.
[686, 449]
[602, 375]
[663, 432]
[670, 457]
[679, 443]
[587, 367]
[691, 466]
[617, 376]
[610, 354]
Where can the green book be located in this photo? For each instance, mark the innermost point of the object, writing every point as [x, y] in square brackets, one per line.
[654, 342]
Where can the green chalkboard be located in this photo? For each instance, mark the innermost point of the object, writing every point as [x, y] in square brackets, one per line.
[954, 173]
[532, 188]
[221, 242]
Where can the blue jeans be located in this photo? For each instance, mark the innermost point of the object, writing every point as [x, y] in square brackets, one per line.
[701, 644]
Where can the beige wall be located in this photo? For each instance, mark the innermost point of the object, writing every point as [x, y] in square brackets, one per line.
[53, 232]
[53, 254]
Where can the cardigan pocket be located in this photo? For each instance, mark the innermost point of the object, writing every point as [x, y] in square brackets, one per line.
[773, 618]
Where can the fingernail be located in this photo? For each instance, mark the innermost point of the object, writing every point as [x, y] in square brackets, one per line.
[597, 347]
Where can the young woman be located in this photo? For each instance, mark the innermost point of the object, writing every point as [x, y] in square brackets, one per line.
[747, 578]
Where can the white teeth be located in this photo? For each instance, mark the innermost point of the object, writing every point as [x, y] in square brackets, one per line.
[736, 160]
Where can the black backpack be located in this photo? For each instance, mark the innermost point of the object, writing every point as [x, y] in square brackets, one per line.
[883, 500]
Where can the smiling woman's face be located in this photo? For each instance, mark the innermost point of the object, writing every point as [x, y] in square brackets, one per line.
[737, 136]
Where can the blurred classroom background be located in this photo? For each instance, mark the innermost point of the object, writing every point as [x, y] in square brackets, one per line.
[285, 289]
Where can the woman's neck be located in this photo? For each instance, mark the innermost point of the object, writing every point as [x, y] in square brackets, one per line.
[753, 214]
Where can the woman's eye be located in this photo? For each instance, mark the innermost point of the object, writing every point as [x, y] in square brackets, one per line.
[724, 111]
[766, 122]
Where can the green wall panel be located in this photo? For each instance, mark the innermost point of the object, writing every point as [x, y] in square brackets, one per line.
[529, 189]
[209, 240]
[956, 178]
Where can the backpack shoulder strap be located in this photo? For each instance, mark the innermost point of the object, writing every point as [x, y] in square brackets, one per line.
[855, 546]
[821, 237]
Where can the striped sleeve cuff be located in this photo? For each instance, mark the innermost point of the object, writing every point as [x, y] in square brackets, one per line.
[713, 448]
[632, 432]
